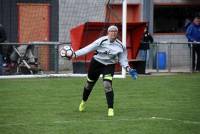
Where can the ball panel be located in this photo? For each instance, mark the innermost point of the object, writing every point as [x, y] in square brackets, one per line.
[69, 53]
[66, 51]
[62, 52]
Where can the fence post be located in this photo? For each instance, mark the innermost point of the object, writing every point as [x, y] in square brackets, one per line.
[151, 56]
[157, 58]
[191, 58]
[56, 58]
[169, 57]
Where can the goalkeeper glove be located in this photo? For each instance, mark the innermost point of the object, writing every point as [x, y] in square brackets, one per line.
[133, 73]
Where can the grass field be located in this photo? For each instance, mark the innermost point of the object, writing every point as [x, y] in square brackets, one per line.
[149, 105]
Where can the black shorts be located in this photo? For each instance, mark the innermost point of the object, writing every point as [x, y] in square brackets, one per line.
[96, 69]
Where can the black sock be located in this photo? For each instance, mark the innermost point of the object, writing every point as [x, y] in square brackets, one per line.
[110, 99]
[86, 93]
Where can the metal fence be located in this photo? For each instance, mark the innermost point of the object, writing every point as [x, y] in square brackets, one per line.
[43, 58]
[170, 57]
[31, 58]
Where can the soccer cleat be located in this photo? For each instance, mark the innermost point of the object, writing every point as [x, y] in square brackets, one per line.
[110, 112]
[82, 106]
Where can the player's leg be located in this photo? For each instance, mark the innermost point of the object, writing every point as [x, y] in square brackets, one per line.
[88, 88]
[107, 82]
[198, 58]
[109, 92]
[86, 92]
[93, 75]
[109, 96]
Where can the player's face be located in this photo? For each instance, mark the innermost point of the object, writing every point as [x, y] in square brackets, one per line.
[112, 34]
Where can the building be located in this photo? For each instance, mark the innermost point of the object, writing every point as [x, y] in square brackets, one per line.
[166, 18]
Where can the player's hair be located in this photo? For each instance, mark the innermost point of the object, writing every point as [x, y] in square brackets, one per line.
[112, 27]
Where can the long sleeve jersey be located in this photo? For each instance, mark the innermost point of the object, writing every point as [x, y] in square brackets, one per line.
[193, 33]
[106, 52]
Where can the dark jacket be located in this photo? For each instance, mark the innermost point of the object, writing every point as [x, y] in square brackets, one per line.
[193, 33]
[146, 40]
[3, 36]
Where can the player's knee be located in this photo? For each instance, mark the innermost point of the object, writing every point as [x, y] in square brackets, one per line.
[89, 85]
[107, 86]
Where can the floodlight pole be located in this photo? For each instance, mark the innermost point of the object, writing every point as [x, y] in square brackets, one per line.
[124, 25]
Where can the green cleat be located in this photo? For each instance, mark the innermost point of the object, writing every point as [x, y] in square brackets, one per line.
[110, 112]
[82, 106]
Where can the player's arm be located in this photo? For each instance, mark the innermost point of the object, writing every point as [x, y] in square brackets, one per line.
[89, 48]
[69, 53]
[124, 63]
[189, 34]
[123, 59]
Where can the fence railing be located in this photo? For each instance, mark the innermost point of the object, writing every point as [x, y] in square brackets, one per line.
[44, 58]
[170, 57]
[31, 58]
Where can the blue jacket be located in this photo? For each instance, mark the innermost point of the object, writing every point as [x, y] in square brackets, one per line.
[193, 33]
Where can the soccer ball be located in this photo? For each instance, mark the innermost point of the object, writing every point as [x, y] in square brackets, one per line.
[66, 51]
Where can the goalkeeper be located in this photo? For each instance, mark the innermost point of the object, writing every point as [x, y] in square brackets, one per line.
[109, 50]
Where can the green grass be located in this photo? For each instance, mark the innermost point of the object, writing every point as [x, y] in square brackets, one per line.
[50, 106]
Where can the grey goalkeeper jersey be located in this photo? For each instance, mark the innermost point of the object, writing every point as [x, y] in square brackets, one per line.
[106, 52]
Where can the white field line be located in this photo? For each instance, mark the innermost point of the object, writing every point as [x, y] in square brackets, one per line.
[112, 119]
[49, 76]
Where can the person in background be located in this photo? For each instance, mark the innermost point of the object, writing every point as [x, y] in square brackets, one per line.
[145, 46]
[3, 38]
[187, 23]
[193, 35]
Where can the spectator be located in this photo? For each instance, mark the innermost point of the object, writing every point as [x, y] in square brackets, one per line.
[187, 23]
[3, 37]
[193, 35]
[144, 46]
